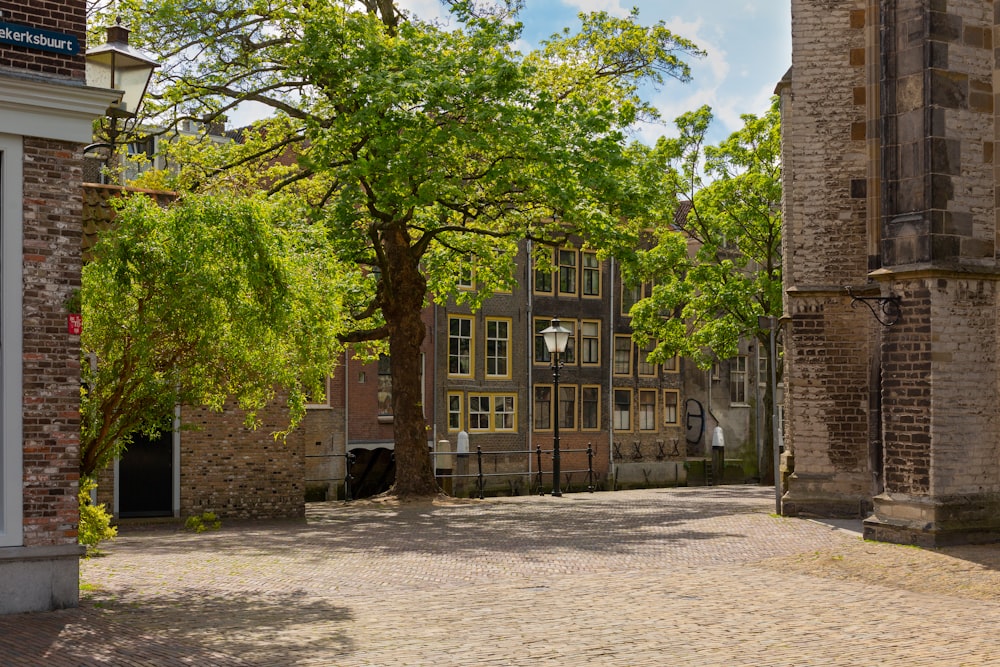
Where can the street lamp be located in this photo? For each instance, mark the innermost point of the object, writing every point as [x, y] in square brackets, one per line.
[556, 339]
[118, 66]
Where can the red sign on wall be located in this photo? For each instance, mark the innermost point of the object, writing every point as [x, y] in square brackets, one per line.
[74, 324]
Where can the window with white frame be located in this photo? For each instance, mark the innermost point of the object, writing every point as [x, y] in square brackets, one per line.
[622, 413]
[738, 380]
[497, 348]
[466, 272]
[479, 413]
[459, 346]
[504, 412]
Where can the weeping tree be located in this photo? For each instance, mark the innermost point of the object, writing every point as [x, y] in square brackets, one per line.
[716, 269]
[209, 299]
[414, 145]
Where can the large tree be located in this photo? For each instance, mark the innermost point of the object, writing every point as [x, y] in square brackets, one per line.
[716, 267]
[414, 145]
[209, 299]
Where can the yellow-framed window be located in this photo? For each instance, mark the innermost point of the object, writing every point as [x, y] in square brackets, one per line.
[590, 342]
[492, 413]
[567, 270]
[543, 280]
[671, 407]
[461, 330]
[455, 413]
[541, 354]
[591, 269]
[590, 407]
[467, 272]
[498, 330]
[646, 367]
[622, 362]
[672, 365]
[647, 410]
[622, 409]
[567, 407]
[541, 394]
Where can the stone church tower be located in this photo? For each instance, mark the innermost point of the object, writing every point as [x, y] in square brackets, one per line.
[891, 267]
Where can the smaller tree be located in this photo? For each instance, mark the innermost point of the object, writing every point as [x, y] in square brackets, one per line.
[207, 299]
[717, 267]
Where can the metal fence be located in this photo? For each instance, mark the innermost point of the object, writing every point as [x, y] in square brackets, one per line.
[537, 477]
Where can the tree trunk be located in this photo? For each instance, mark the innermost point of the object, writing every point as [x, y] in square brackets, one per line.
[404, 290]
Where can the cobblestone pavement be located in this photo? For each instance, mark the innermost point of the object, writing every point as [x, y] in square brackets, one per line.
[637, 578]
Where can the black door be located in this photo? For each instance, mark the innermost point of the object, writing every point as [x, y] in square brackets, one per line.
[145, 477]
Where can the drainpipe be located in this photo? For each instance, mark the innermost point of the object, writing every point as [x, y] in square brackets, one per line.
[609, 341]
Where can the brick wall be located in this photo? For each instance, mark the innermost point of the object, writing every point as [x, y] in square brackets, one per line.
[62, 16]
[236, 472]
[52, 172]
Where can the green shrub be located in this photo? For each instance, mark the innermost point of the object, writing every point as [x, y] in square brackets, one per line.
[199, 523]
[95, 522]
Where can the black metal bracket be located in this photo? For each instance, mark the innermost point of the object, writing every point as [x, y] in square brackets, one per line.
[885, 308]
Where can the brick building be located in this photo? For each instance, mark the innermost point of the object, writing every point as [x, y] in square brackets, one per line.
[46, 115]
[889, 126]
[488, 382]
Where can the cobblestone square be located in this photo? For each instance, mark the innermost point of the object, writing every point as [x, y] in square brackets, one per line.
[705, 576]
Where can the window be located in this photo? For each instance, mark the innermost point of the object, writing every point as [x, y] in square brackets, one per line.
[671, 401]
[454, 412]
[542, 355]
[11, 438]
[466, 273]
[567, 407]
[622, 410]
[672, 365]
[543, 281]
[738, 381]
[763, 377]
[497, 348]
[315, 400]
[541, 352]
[384, 386]
[590, 408]
[623, 355]
[479, 413]
[647, 409]
[460, 346]
[567, 271]
[543, 407]
[591, 274]
[631, 295]
[504, 414]
[590, 342]
[646, 367]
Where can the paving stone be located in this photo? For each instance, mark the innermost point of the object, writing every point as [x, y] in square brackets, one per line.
[632, 578]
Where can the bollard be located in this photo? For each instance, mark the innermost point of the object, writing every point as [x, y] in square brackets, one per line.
[539, 450]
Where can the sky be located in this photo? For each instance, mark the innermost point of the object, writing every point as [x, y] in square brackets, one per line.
[748, 43]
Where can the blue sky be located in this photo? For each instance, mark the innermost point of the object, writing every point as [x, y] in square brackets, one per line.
[748, 44]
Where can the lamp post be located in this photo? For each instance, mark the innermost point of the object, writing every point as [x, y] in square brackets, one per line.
[556, 339]
[118, 66]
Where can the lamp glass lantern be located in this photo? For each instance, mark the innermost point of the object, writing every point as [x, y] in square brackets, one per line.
[118, 66]
[556, 337]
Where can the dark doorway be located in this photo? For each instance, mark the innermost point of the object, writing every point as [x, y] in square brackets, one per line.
[373, 472]
[145, 477]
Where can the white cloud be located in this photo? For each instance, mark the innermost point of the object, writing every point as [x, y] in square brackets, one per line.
[613, 7]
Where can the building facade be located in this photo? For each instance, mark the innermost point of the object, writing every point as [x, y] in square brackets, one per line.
[889, 130]
[46, 115]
